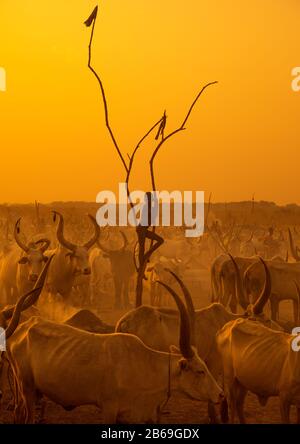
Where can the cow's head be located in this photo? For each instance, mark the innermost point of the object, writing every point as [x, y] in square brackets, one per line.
[33, 254]
[115, 256]
[193, 376]
[78, 255]
[195, 379]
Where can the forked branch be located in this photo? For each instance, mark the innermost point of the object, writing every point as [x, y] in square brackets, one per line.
[173, 133]
[91, 21]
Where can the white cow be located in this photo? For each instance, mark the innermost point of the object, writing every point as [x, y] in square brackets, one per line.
[70, 261]
[258, 359]
[21, 268]
[116, 372]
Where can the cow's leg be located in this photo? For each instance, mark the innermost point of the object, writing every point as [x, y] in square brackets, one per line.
[285, 409]
[42, 405]
[12, 386]
[231, 407]
[298, 415]
[231, 394]
[19, 411]
[30, 402]
[241, 393]
[24, 408]
[224, 411]
[212, 414]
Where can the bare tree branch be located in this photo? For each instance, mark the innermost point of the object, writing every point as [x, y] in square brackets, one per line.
[181, 128]
[104, 96]
[91, 21]
[132, 157]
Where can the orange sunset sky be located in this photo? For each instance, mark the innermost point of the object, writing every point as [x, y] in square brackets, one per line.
[243, 136]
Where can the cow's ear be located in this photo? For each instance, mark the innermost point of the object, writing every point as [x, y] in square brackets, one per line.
[23, 260]
[175, 350]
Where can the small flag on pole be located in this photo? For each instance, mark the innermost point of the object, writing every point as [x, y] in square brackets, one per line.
[91, 18]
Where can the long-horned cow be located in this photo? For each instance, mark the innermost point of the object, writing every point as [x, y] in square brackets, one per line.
[115, 371]
[19, 272]
[31, 262]
[158, 326]
[70, 260]
[258, 359]
[283, 276]
[122, 269]
[223, 280]
[12, 315]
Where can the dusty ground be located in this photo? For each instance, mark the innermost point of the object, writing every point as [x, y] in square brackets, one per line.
[178, 411]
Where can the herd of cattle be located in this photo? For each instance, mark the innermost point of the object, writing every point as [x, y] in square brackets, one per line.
[53, 290]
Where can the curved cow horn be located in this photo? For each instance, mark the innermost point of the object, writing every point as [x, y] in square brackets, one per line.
[125, 240]
[17, 237]
[46, 245]
[188, 300]
[14, 313]
[185, 328]
[60, 233]
[265, 294]
[94, 239]
[26, 301]
[294, 250]
[239, 288]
